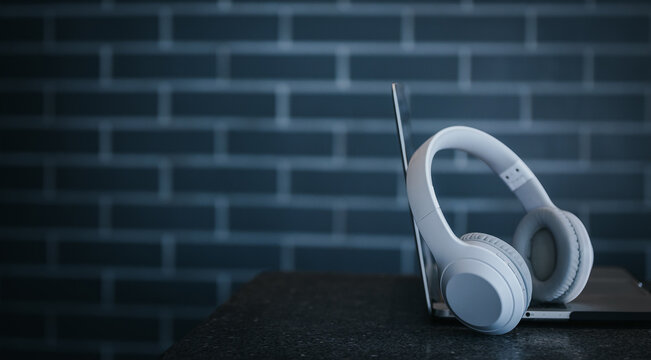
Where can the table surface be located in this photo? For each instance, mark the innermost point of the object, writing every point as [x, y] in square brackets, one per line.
[294, 315]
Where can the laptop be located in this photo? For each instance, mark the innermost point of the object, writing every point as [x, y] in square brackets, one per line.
[611, 294]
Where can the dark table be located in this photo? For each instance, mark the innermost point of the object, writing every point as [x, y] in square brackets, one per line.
[299, 315]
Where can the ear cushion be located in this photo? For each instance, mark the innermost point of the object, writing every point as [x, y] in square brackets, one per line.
[549, 241]
[586, 259]
[508, 254]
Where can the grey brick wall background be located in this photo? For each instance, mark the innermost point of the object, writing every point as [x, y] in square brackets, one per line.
[154, 156]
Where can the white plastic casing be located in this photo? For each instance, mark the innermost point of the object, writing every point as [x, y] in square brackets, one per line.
[461, 261]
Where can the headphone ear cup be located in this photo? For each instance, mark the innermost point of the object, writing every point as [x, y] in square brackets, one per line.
[586, 259]
[509, 254]
[551, 246]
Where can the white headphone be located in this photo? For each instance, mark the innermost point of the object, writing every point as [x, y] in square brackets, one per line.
[486, 283]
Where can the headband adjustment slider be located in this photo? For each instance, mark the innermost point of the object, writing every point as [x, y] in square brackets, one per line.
[516, 175]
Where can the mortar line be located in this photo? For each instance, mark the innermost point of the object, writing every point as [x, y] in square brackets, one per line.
[165, 179]
[526, 107]
[223, 63]
[105, 65]
[588, 68]
[222, 214]
[105, 217]
[285, 27]
[407, 258]
[342, 67]
[531, 29]
[49, 179]
[105, 141]
[168, 253]
[283, 182]
[108, 288]
[224, 283]
[165, 27]
[287, 257]
[465, 68]
[407, 29]
[282, 92]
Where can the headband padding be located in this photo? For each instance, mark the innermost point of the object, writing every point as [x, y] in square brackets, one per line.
[564, 261]
[586, 258]
[509, 255]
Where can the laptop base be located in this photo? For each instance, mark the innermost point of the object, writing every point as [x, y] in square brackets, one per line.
[612, 294]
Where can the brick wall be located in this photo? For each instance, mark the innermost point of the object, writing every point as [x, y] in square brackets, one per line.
[157, 155]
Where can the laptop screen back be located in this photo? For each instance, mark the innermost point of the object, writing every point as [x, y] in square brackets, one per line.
[403, 117]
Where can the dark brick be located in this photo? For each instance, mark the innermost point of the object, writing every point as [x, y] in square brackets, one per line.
[106, 104]
[285, 1]
[380, 145]
[165, 65]
[588, 107]
[344, 183]
[622, 68]
[527, 68]
[107, 327]
[225, 27]
[226, 256]
[107, 253]
[608, 2]
[163, 142]
[21, 177]
[228, 180]
[378, 222]
[163, 1]
[282, 67]
[583, 186]
[350, 106]
[593, 29]
[620, 147]
[621, 1]
[106, 179]
[21, 29]
[346, 28]
[465, 185]
[279, 219]
[566, 185]
[525, 2]
[49, 354]
[450, 28]
[50, 290]
[39, 215]
[542, 146]
[620, 224]
[223, 104]
[182, 326]
[21, 103]
[49, 141]
[279, 143]
[355, 260]
[105, 28]
[163, 217]
[49, 66]
[372, 145]
[500, 224]
[461, 106]
[15, 325]
[49, 2]
[393, 67]
[166, 292]
[23, 251]
[148, 354]
[402, 2]
[633, 261]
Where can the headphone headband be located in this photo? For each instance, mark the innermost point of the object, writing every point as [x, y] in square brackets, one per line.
[502, 160]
